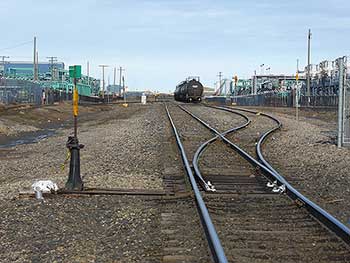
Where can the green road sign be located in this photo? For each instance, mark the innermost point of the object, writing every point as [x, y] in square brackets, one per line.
[75, 71]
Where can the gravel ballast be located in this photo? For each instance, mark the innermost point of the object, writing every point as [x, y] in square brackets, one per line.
[125, 148]
[305, 152]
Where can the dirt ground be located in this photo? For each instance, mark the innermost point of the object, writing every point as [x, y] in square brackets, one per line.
[128, 148]
[20, 122]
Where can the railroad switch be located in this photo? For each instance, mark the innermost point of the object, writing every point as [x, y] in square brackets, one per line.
[74, 179]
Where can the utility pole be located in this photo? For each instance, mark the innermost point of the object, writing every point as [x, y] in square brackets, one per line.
[103, 79]
[35, 73]
[3, 64]
[220, 77]
[37, 65]
[115, 71]
[120, 79]
[308, 66]
[124, 93]
[88, 72]
[254, 83]
[52, 60]
[297, 93]
[297, 65]
[109, 87]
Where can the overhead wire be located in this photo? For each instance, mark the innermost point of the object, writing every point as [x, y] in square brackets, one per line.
[15, 46]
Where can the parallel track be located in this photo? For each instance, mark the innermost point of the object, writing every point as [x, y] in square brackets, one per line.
[216, 248]
[253, 222]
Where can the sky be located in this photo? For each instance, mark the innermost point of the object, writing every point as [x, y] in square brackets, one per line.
[160, 43]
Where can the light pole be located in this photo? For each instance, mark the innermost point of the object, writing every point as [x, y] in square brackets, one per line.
[308, 65]
[120, 79]
[103, 79]
[262, 69]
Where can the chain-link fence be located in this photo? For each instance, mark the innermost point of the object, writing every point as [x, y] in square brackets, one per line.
[324, 88]
[19, 91]
[24, 91]
[286, 99]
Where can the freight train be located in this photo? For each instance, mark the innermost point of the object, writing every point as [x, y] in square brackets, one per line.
[190, 90]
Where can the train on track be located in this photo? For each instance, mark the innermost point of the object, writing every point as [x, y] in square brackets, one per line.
[190, 90]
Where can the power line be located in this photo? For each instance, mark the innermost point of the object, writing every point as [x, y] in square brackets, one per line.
[18, 45]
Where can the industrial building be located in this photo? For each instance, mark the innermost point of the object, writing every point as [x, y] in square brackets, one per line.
[18, 83]
[25, 68]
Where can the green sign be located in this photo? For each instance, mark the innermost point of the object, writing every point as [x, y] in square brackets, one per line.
[75, 71]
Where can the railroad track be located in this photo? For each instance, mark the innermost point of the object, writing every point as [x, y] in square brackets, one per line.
[249, 211]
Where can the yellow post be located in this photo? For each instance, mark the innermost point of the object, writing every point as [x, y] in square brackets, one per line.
[75, 107]
[75, 101]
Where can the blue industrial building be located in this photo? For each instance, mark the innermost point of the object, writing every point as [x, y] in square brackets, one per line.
[25, 67]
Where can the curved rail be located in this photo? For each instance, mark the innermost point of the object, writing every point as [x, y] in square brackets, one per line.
[319, 213]
[216, 248]
[245, 155]
[207, 185]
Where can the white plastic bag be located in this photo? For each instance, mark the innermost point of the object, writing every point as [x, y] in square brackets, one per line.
[44, 186]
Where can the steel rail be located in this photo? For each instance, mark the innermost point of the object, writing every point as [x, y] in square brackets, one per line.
[215, 246]
[265, 168]
[208, 185]
[316, 211]
[245, 155]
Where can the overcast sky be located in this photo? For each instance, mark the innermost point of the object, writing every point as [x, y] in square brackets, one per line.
[160, 43]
